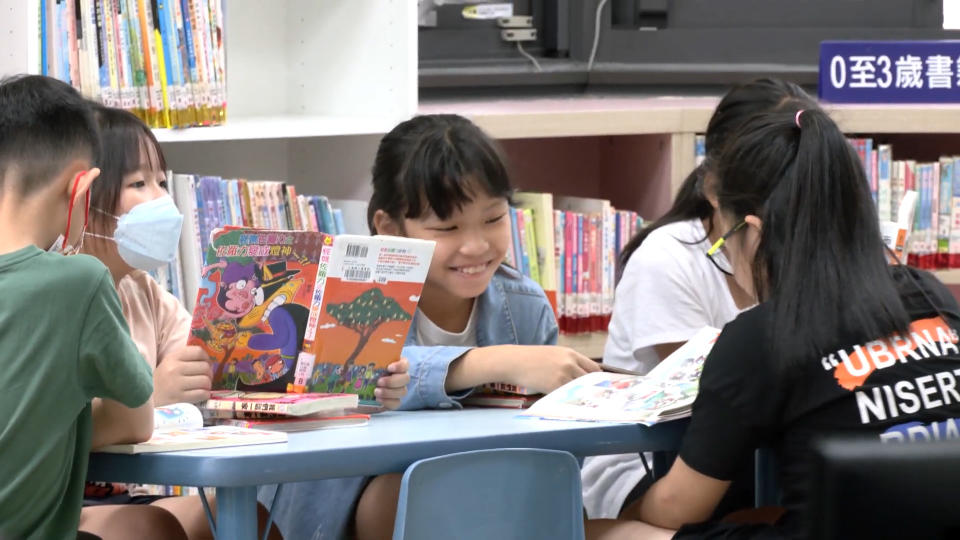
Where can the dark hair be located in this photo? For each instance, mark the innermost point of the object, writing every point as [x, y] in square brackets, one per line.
[442, 158]
[820, 261]
[124, 141]
[739, 103]
[44, 124]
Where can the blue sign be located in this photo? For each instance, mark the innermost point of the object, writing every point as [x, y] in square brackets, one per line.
[890, 71]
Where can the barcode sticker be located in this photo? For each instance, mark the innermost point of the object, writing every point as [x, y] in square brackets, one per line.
[356, 273]
[357, 250]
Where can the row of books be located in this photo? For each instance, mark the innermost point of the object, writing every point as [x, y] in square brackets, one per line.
[211, 202]
[934, 241]
[585, 237]
[161, 59]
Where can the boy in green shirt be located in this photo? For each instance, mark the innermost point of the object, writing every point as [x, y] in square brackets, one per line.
[63, 339]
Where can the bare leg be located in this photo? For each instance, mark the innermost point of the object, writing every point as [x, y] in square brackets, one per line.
[377, 509]
[612, 529]
[189, 512]
[123, 521]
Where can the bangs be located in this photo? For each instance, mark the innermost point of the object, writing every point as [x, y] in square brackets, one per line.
[447, 170]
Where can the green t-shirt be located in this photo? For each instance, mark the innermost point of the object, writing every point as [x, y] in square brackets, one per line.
[63, 341]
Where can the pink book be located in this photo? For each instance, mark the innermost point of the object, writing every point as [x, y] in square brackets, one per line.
[277, 403]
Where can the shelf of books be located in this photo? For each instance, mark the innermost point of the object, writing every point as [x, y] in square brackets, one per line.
[185, 66]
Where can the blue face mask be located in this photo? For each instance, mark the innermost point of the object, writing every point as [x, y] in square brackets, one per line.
[148, 235]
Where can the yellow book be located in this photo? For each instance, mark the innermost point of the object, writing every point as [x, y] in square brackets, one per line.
[541, 204]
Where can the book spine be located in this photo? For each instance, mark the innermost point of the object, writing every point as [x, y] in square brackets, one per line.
[884, 187]
[945, 209]
[161, 70]
[558, 247]
[531, 246]
[307, 357]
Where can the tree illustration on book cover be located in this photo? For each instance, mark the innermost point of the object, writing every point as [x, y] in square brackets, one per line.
[361, 332]
[253, 305]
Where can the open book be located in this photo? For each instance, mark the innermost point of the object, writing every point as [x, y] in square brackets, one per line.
[180, 427]
[666, 393]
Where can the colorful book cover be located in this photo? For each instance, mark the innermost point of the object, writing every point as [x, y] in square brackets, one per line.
[367, 303]
[253, 303]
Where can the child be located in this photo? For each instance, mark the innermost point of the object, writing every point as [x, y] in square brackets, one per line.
[802, 236]
[438, 177]
[63, 340]
[132, 166]
[669, 290]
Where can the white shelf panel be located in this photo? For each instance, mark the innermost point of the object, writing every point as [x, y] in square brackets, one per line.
[279, 127]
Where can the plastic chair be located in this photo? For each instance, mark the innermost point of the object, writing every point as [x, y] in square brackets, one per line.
[503, 494]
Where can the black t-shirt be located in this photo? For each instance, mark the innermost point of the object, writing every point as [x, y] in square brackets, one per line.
[900, 389]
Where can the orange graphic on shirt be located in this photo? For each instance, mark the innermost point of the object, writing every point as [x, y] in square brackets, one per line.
[888, 348]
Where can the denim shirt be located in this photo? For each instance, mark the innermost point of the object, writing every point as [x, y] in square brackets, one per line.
[512, 311]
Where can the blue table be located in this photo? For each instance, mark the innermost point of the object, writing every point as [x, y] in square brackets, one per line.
[390, 443]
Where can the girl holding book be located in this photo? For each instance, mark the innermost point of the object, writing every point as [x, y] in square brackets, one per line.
[668, 290]
[836, 328]
[440, 178]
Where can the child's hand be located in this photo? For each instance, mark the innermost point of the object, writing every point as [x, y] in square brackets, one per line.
[544, 368]
[184, 375]
[391, 388]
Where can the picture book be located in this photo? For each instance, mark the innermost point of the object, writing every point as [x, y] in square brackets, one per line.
[362, 310]
[303, 423]
[180, 427]
[253, 303]
[303, 311]
[665, 393]
[278, 403]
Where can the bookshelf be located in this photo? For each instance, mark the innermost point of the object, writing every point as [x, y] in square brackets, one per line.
[296, 68]
[311, 86]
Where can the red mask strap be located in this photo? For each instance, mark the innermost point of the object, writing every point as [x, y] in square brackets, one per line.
[73, 195]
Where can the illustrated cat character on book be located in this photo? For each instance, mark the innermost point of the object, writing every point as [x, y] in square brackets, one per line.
[252, 317]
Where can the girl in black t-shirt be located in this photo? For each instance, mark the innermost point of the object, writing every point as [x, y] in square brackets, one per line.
[840, 341]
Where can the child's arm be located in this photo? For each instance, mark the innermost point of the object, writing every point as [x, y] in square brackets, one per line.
[540, 368]
[110, 366]
[114, 423]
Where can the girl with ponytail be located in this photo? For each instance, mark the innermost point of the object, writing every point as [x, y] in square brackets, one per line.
[839, 343]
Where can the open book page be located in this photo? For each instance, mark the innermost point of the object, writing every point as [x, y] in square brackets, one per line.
[665, 393]
[180, 427]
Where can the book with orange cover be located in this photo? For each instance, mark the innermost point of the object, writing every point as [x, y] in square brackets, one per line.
[366, 305]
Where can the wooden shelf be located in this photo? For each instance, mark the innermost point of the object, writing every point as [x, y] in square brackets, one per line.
[949, 277]
[602, 115]
[590, 345]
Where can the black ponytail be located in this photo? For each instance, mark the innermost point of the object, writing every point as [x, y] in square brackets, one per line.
[820, 261]
[737, 105]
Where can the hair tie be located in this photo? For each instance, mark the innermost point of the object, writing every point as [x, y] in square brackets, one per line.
[796, 119]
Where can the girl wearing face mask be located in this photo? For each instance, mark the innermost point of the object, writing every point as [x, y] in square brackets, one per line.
[134, 227]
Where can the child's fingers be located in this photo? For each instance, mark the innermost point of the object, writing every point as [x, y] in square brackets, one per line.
[194, 396]
[400, 380]
[193, 382]
[383, 394]
[585, 363]
[190, 369]
[400, 366]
